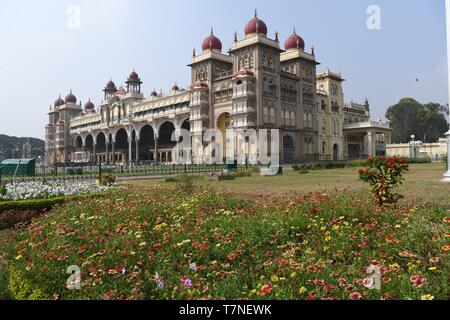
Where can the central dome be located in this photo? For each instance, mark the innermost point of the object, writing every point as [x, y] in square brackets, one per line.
[89, 106]
[294, 42]
[70, 98]
[256, 25]
[212, 43]
[133, 76]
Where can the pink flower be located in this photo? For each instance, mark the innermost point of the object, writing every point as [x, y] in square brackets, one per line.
[355, 296]
[188, 283]
[417, 281]
[367, 282]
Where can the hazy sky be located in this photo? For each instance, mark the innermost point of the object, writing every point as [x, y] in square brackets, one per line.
[40, 57]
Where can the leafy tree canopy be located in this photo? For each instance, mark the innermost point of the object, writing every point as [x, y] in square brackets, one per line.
[409, 117]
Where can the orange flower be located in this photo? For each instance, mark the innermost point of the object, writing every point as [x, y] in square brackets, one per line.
[265, 290]
[446, 248]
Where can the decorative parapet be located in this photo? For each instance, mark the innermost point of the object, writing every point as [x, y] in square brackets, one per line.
[257, 38]
[367, 125]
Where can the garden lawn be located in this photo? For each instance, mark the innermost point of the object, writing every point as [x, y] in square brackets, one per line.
[174, 242]
[422, 183]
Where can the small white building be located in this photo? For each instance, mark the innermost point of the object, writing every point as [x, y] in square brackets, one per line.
[419, 149]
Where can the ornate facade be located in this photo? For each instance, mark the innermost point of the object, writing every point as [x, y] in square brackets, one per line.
[256, 85]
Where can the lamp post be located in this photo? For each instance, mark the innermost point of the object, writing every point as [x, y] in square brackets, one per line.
[447, 14]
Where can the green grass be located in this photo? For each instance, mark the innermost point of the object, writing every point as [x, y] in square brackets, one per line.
[422, 183]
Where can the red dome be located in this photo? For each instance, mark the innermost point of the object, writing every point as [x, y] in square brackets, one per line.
[110, 85]
[70, 98]
[256, 25]
[154, 93]
[294, 42]
[59, 102]
[175, 88]
[89, 106]
[212, 43]
[133, 76]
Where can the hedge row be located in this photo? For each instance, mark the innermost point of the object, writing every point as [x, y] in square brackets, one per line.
[39, 204]
[35, 204]
[318, 166]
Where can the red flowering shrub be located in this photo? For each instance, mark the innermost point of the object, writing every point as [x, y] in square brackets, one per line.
[384, 175]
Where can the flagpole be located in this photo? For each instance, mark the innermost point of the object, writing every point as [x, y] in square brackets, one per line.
[447, 16]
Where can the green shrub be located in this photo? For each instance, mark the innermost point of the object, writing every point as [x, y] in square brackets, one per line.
[171, 179]
[357, 164]
[384, 175]
[185, 182]
[3, 190]
[5, 294]
[35, 204]
[418, 160]
[242, 173]
[22, 289]
[106, 179]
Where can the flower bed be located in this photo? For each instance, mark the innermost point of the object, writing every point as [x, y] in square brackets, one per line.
[161, 243]
[40, 190]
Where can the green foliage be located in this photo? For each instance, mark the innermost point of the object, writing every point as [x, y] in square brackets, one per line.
[418, 160]
[106, 179]
[23, 289]
[3, 190]
[36, 204]
[384, 175]
[409, 117]
[357, 164]
[185, 183]
[5, 294]
[241, 173]
[318, 166]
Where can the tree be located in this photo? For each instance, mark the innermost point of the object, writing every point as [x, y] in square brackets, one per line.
[409, 117]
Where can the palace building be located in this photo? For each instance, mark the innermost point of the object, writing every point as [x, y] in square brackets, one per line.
[257, 84]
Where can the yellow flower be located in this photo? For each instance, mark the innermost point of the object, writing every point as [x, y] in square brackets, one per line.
[432, 268]
[293, 275]
[19, 257]
[302, 290]
[328, 238]
[427, 297]
[274, 278]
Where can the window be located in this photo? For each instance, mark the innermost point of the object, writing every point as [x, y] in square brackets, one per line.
[272, 114]
[265, 114]
[292, 118]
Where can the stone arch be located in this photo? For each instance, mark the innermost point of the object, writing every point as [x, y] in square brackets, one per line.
[165, 131]
[147, 144]
[158, 126]
[79, 143]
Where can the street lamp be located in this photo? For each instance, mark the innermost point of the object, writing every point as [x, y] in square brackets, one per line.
[447, 14]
